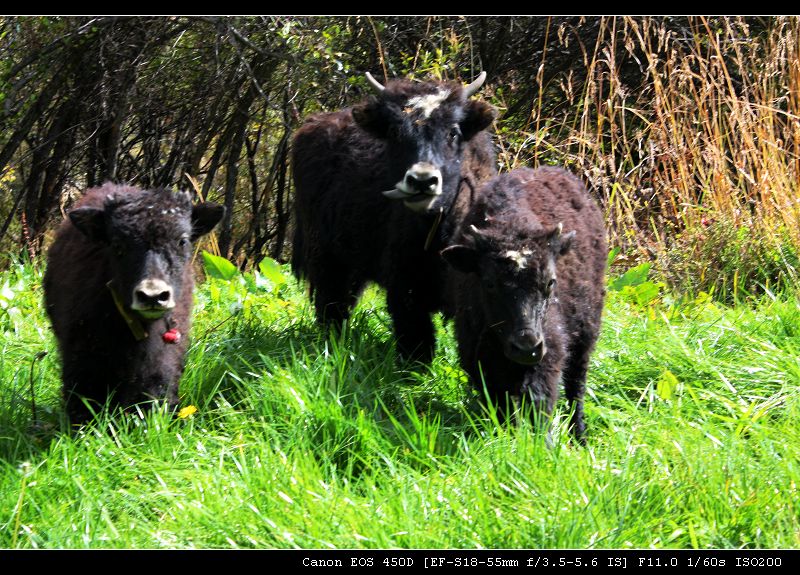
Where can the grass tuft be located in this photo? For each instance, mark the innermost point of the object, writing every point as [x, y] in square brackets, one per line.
[302, 440]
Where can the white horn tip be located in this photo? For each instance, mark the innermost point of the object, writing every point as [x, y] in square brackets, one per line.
[377, 86]
[475, 85]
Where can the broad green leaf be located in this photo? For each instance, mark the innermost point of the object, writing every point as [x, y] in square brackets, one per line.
[612, 255]
[272, 271]
[251, 282]
[214, 293]
[667, 385]
[632, 277]
[646, 293]
[218, 267]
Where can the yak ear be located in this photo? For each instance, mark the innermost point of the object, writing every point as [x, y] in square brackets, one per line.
[561, 243]
[204, 217]
[566, 242]
[91, 222]
[479, 116]
[461, 258]
[373, 117]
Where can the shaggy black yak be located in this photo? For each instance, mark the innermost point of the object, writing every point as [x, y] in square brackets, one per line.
[118, 290]
[527, 286]
[375, 186]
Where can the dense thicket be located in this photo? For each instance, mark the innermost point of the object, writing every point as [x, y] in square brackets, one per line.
[670, 119]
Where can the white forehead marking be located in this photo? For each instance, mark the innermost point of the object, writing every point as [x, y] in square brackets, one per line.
[520, 258]
[427, 104]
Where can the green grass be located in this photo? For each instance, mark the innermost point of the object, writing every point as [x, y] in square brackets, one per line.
[302, 441]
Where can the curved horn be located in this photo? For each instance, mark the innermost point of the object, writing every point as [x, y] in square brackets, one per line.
[377, 86]
[476, 231]
[475, 86]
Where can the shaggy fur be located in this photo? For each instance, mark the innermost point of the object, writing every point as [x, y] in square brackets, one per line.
[508, 251]
[117, 234]
[347, 233]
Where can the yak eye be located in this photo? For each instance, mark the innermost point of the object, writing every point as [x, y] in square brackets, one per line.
[551, 285]
[183, 242]
[455, 134]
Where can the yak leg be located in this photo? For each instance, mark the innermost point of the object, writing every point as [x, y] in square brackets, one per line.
[575, 388]
[497, 380]
[413, 327]
[575, 369]
[84, 384]
[540, 387]
[335, 292]
[153, 389]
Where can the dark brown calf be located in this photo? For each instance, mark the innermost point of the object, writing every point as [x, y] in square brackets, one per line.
[527, 286]
[118, 290]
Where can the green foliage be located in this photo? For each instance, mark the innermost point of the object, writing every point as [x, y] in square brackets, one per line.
[239, 292]
[686, 151]
[218, 267]
[667, 385]
[269, 276]
[732, 262]
[633, 277]
[9, 314]
[634, 285]
[17, 301]
[271, 271]
[305, 440]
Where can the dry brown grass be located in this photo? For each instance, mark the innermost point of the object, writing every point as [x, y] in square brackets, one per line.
[711, 138]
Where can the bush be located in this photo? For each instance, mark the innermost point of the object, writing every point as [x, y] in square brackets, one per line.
[731, 261]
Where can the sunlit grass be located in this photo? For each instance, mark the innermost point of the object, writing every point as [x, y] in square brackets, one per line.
[302, 440]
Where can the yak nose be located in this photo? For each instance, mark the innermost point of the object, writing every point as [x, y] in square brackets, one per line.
[526, 347]
[424, 178]
[152, 295]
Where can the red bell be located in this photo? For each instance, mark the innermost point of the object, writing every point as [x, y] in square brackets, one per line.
[172, 336]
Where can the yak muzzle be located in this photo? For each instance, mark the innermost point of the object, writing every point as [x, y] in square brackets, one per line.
[152, 298]
[525, 348]
[419, 188]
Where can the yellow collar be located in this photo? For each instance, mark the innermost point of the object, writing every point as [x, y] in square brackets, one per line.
[136, 327]
[434, 227]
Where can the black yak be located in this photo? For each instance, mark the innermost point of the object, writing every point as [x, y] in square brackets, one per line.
[118, 290]
[527, 286]
[421, 142]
